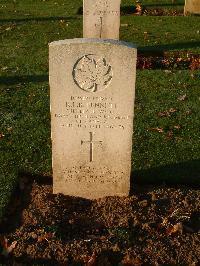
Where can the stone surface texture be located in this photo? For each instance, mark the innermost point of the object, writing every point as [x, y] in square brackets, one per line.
[101, 19]
[192, 7]
[92, 88]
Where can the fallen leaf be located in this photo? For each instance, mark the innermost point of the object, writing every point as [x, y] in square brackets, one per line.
[164, 114]
[177, 228]
[138, 9]
[7, 249]
[182, 97]
[172, 110]
[116, 248]
[189, 112]
[158, 129]
[1, 135]
[92, 259]
[167, 113]
[153, 196]
[169, 134]
[177, 127]
[46, 236]
[167, 71]
[9, 129]
[165, 221]
[143, 203]
[146, 227]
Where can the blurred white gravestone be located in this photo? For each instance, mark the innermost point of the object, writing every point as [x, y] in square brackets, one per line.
[92, 88]
[192, 7]
[101, 19]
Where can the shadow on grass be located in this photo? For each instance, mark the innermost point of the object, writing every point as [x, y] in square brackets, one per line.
[186, 173]
[163, 5]
[142, 51]
[160, 49]
[125, 10]
[23, 79]
[35, 19]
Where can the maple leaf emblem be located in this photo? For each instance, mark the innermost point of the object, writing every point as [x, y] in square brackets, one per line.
[92, 73]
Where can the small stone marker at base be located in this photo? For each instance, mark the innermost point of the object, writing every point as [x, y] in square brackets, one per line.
[101, 19]
[92, 87]
[192, 7]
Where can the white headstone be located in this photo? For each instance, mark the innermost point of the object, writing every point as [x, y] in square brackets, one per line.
[192, 7]
[101, 19]
[92, 87]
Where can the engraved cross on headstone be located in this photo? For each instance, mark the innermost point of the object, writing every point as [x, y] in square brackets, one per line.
[101, 19]
[91, 142]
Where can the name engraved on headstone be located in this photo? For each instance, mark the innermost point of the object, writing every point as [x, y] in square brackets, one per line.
[93, 112]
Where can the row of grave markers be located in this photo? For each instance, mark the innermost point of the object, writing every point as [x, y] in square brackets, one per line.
[101, 18]
[92, 91]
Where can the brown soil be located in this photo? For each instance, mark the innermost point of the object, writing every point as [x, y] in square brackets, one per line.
[154, 226]
[173, 61]
[161, 12]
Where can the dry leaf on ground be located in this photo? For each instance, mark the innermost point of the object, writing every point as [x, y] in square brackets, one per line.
[92, 260]
[182, 97]
[7, 249]
[177, 228]
[1, 135]
[157, 129]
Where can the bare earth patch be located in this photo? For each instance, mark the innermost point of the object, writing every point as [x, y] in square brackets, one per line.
[154, 226]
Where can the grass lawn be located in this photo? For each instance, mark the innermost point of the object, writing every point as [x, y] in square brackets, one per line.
[10, 9]
[166, 136]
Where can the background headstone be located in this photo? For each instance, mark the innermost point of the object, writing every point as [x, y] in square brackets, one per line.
[192, 7]
[101, 19]
[92, 85]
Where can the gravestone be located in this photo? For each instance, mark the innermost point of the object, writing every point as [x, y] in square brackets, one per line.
[92, 88]
[101, 19]
[192, 7]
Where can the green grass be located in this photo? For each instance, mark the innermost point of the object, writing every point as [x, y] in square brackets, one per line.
[164, 33]
[178, 145]
[26, 28]
[49, 8]
[25, 45]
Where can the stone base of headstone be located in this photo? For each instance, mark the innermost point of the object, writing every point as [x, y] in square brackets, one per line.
[92, 89]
